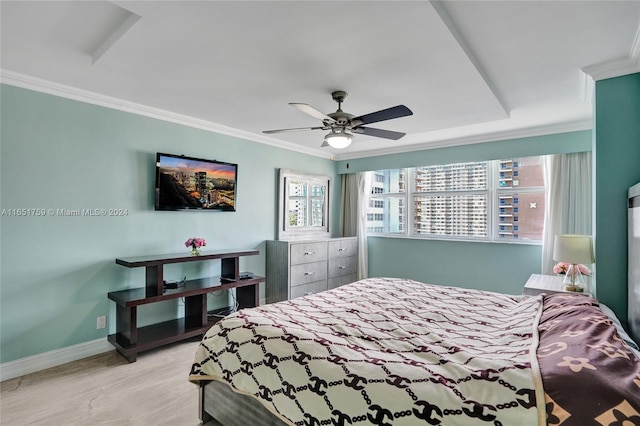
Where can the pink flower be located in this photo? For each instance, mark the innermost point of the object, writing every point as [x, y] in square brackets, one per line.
[195, 242]
[583, 269]
[563, 267]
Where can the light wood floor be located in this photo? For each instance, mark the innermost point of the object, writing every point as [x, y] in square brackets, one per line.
[107, 390]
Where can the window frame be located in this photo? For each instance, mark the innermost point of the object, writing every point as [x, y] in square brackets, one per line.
[492, 191]
[287, 232]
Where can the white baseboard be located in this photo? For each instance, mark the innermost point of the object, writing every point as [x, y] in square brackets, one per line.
[31, 364]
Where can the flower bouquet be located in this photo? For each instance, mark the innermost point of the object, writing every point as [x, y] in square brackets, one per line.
[562, 268]
[573, 273]
[195, 244]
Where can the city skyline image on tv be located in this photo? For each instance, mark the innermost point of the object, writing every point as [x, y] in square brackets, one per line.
[194, 183]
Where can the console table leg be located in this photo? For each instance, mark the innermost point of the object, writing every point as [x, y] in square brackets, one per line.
[248, 296]
[195, 311]
[126, 336]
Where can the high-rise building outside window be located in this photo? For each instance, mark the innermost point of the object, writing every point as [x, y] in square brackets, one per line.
[502, 200]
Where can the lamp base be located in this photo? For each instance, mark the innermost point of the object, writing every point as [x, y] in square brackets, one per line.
[574, 288]
[573, 280]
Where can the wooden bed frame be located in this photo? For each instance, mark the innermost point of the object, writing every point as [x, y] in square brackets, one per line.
[219, 403]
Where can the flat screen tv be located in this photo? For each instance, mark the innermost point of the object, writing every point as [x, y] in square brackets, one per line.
[187, 183]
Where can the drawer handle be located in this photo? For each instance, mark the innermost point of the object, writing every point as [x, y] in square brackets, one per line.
[308, 253]
[308, 293]
[342, 249]
[342, 267]
[309, 273]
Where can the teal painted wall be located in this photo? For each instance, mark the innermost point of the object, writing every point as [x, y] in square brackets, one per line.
[499, 267]
[520, 147]
[617, 162]
[503, 268]
[62, 154]
[56, 271]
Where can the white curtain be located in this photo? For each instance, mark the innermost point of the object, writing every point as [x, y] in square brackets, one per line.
[356, 188]
[568, 182]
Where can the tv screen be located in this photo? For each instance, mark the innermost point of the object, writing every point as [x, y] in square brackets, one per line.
[187, 183]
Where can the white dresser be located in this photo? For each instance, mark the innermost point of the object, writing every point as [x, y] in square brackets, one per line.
[299, 268]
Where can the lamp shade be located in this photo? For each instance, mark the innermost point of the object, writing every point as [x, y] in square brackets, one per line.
[338, 140]
[573, 248]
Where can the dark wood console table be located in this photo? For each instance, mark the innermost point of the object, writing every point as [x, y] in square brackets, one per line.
[129, 340]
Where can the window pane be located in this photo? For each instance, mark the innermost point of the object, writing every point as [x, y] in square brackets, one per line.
[523, 172]
[297, 189]
[317, 190]
[297, 212]
[317, 210]
[521, 215]
[451, 177]
[456, 200]
[454, 215]
[388, 218]
[389, 181]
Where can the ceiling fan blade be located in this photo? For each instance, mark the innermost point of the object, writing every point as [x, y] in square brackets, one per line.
[308, 109]
[297, 129]
[382, 115]
[379, 133]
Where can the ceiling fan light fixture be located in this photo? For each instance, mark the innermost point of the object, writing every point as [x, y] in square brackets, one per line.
[338, 140]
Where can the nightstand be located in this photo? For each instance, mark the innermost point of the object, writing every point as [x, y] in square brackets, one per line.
[537, 284]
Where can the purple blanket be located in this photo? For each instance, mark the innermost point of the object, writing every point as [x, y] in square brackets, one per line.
[590, 375]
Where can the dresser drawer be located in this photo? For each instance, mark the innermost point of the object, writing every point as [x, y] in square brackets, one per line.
[339, 281]
[307, 289]
[308, 252]
[343, 248]
[343, 266]
[308, 272]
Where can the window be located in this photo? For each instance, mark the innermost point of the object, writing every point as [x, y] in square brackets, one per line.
[520, 198]
[304, 205]
[489, 200]
[387, 203]
[451, 200]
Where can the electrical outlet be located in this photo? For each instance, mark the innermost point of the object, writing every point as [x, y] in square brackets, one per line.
[101, 322]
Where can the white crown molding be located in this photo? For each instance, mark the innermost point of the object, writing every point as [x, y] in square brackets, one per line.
[610, 69]
[56, 89]
[474, 139]
[587, 87]
[44, 86]
[31, 364]
[617, 67]
[634, 54]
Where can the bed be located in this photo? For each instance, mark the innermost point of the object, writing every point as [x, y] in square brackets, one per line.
[387, 351]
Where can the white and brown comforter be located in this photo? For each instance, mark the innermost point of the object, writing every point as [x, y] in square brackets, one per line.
[384, 351]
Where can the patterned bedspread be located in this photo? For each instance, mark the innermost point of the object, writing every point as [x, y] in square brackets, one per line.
[590, 375]
[384, 351]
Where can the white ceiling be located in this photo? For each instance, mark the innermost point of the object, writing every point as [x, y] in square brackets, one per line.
[471, 71]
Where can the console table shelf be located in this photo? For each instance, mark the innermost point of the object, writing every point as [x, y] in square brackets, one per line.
[129, 340]
[137, 296]
[157, 335]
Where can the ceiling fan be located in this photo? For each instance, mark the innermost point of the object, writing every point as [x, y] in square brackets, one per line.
[343, 125]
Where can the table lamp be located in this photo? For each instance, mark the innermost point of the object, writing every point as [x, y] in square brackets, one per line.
[573, 249]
